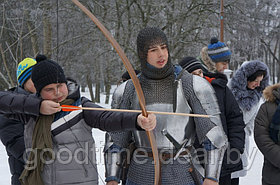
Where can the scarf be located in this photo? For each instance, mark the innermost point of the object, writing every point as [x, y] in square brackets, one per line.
[42, 149]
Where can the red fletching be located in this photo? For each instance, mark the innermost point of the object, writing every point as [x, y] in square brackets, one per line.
[67, 108]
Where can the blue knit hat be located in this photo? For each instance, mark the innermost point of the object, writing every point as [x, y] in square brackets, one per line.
[218, 51]
[24, 70]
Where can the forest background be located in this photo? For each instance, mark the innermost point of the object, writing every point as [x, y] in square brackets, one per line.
[60, 30]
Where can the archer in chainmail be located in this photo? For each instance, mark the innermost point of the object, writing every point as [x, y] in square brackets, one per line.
[168, 88]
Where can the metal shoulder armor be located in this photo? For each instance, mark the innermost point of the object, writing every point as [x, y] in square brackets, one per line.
[117, 96]
[207, 97]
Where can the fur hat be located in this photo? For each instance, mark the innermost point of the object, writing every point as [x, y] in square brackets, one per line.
[46, 72]
[24, 70]
[247, 98]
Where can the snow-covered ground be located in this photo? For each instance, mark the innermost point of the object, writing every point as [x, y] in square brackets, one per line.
[253, 177]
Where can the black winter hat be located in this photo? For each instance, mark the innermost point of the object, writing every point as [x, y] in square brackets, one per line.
[190, 64]
[46, 72]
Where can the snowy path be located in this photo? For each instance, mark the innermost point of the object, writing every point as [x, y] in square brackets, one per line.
[253, 177]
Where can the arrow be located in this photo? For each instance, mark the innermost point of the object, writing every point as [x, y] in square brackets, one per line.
[67, 108]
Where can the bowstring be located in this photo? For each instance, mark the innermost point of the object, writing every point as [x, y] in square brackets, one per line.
[57, 34]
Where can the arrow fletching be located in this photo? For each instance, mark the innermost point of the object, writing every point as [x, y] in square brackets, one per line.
[68, 108]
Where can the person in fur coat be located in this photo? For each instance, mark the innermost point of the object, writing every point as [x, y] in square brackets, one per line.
[266, 133]
[247, 86]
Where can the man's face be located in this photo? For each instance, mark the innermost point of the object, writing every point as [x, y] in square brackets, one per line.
[56, 92]
[29, 86]
[221, 66]
[158, 55]
[256, 83]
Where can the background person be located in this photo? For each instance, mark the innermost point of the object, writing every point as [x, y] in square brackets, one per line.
[247, 85]
[11, 131]
[216, 56]
[266, 133]
[231, 117]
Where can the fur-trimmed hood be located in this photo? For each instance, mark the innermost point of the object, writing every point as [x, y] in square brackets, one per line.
[245, 97]
[271, 93]
[204, 57]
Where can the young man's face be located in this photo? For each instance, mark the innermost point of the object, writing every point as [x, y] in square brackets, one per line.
[56, 92]
[256, 83]
[221, 66]
[158, 55]
[29, 86]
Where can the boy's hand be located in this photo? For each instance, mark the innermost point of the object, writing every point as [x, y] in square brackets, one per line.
[148, 123]
[49, 107]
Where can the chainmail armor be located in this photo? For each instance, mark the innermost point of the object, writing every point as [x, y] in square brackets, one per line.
[158, 91]
[158, 88]
[171, 174]
[175, 174]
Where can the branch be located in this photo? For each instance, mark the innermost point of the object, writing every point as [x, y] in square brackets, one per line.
[5, 65]
[267, 46]
[5, 79]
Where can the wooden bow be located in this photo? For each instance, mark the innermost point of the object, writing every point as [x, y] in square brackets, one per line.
[134, 79]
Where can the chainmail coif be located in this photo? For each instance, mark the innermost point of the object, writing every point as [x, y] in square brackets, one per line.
[147, 37]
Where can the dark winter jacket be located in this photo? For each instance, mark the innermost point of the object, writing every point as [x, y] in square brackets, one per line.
[270, 150]
[12, 137]
[232, 120]
[73, 145]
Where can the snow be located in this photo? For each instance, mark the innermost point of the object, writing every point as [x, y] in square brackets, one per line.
[253, 176]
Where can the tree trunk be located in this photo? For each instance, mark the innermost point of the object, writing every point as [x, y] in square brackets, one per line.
[89, 83]
[47, 29]
[34, 36]
[83, 88]
[97, 92]
[107, 89]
